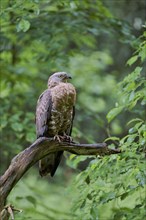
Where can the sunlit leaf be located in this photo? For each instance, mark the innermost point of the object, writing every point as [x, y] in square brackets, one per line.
[108, 197]
[112, 138]
[132, 60]
[23, 25]
[17, 126]
[142, 52]
[113, 113]
[94, 212]
[30, 137]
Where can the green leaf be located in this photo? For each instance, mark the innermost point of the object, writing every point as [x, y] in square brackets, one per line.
[17, 126]
[72, 156]
[94, 212]
[83, 204]
[23, 25]
[108, 197]
[137, 71]
[112, 138]
[138, 125]
[30, 137]
[19, 197]
[131, 138]
[113, 113]
[124, 195]
[3, 123]
[132, 130]
[31, 199]
[5, 89]
[143, 101]
[132, 60]
[141, 179]
[132, 95]
[142, 53]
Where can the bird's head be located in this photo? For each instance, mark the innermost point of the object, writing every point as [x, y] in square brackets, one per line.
[58, 77]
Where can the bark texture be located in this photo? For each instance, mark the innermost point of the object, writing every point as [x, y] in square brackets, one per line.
[39, 149]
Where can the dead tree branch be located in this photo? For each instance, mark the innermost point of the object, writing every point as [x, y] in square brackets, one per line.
[39, 149]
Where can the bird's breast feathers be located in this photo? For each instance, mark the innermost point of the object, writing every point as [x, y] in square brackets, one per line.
[63, 96]
[63, 100]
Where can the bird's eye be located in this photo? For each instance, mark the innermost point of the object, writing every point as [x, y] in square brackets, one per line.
[60, 76]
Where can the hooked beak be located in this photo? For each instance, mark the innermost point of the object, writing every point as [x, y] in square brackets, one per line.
[68, 77]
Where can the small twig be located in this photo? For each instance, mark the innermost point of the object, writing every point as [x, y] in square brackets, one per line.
[9, 211]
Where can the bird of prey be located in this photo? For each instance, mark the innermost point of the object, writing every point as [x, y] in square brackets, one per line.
[54, 116]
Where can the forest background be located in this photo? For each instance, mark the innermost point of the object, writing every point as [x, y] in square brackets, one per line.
[102, 45]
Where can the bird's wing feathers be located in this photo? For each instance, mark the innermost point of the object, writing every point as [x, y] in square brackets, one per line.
[69, 131]
[50, 163]
[43, 113]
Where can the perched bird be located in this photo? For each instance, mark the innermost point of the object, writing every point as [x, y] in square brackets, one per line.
[54, 116]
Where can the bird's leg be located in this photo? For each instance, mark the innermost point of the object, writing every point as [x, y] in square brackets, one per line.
[63, 137]
[67, 137]
[57, 138]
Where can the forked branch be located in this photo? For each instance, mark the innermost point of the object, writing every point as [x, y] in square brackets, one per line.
[39, 149]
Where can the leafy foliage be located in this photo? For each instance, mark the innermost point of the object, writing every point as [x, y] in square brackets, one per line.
[45, 203]
[92, 42]
[117, 184]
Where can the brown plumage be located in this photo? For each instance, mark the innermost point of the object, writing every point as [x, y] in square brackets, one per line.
[54, 116]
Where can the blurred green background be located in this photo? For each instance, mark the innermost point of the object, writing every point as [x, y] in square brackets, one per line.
[91, 40]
